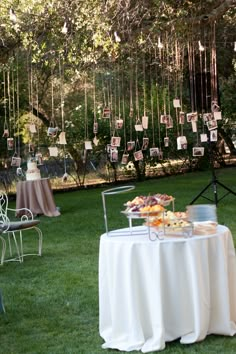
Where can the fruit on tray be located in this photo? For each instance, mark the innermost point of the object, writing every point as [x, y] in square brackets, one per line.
[148, 201]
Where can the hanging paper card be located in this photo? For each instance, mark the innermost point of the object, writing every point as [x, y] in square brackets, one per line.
[119, 123]
[192, 117]
[19, 172]
[125, 158]
[194, 126]
[115, 141]
[163, 118]
[145, 143]
[88, 145]
[166, 141]
[10, 143]
[176, 103]
[212, 124]
[207, 117]
[31, 147]
[181, 143]
[131, 112]
[138, 127]
[198, 151]
[130, 145]
[32, 128]
[203, 138]
[181, 117]
[95, 127]
[169, 122]
[106, 112]
[114, 155]
[95, 141]
[145, 122]
[138, 155]
[16, 161]
[154, 152]
[213, 135]
[5, 133]
[217, 115]
[62, 138]
[214, 106]
[39, 158]
[108, 148]
[52, 132]
[53, 151]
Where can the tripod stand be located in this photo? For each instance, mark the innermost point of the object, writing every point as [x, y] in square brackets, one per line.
[214, 183]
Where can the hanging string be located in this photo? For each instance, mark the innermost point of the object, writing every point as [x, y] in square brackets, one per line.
[62, 93]
[85, 110]
[5, 102]
[152, 110]
[131, 112]
[144, 85]
[157, 96]
[18, 102]
[13, 104]
[214, 94]
[123, 110]
[136, 90]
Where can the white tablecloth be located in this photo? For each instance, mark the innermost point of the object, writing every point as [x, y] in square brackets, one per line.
[154, 292]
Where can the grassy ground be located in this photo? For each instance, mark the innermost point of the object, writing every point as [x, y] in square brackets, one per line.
[52, 301]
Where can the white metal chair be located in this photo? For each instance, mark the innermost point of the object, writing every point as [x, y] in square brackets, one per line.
[12, 229]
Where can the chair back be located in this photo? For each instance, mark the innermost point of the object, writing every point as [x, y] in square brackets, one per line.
[4, 220]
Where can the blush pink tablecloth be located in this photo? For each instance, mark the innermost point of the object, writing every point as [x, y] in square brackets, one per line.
[36, 196]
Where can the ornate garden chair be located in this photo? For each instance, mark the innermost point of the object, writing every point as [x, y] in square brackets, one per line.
[13, 230]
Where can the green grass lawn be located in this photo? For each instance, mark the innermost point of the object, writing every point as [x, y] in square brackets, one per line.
[52, 301]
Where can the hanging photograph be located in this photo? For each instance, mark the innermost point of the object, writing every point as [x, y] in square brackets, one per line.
[192, 117]
[52, 132]
[5, 133]
[88, 145]
[163, 118]
[207, 117]
[212, 124]
[95, 127]
[31, 148]
[154, 152]
[16, 161]
[176, 103]
[138, 155]
[194, 126]
[53, 151]
[169, 122]
[214, 106]
[119, 123]
[213, 135]
[10, 143]
[62, 138]
[39, 158]
[108, 148]
[182, 143]
[130, 145]
[19, 172]
[125, 159]
[32, 128]
[138, 127]
[203, 138]
[198, 151]
[115, 141]
[106, 112]
[145, 143]
[181, 117]
[217, 115]
[145, 122]
[95, 140]
[114, 155]
[166, 141]
[160, 155]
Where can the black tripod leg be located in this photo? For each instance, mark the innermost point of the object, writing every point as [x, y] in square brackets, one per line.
[199, 195]
[225, 187]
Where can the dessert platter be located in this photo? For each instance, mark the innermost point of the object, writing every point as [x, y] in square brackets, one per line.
[166, 223]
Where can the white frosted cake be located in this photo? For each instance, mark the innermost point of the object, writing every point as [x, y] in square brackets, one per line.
[32, 173]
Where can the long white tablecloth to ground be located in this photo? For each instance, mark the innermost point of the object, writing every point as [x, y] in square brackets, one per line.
[154, 292]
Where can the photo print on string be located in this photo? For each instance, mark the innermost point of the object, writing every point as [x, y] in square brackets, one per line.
[207, 117]
[192, 117]
[169, 122]
[182, 143]
[166, 141]
[16, 161]
[198, 151]
[119, 123]
[212, 124]
[176, 103]
[106, 112]
[145, 143]
[10, 143]
[181, 117]
[115, 141]
[130, 145]
[113, 155]
[217, 115]
[203, 138]
[154, 152]
[138, 155]
[125, 159]
[213, 135]
[145, 122]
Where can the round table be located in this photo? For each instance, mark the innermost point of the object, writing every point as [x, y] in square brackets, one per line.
[154, 292]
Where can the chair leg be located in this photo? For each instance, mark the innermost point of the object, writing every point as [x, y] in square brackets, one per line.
[3, 250]
[12, 258]
[40, 243]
